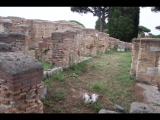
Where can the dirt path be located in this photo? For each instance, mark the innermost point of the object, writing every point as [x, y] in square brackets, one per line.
[106, 75]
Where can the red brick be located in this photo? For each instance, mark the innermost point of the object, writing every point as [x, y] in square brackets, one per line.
[39, 90]
[13, 110]
[39, 105]
[4, 102]
[14, 92]
[26, 89]
[31, 111]
[23, 106]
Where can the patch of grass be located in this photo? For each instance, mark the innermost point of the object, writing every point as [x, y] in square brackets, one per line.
[56, 110]
[74, 75]
[98, 86]
[98, 54]
[111, 51]
[59, 95]
[46, 65]
[155, 104]
[76, 70]
[94, 67]
[58, 76]
[97, 106]
[47, 102]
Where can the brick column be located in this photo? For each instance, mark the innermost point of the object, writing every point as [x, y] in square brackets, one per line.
[20, 83]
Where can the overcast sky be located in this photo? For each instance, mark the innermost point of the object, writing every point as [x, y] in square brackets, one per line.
[147, 18]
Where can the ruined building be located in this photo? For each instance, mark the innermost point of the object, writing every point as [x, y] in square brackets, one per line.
[60, 42]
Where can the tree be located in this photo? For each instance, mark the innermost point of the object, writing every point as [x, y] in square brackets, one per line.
[100, 12]
[97, 26]
[123, 23]
[155, 36]
[155, 9]
[76, 22]
[157, 27]
[142, 29]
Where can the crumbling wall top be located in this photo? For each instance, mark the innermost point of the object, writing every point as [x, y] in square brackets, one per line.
[18, 63]
[12, 35]
[103, 34]
[146, 40]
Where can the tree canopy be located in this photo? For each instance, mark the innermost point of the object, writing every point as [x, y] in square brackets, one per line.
[76, 22]
[123, 22]
[101, 12]
[142, 29]
[97, 25]
[155, 9]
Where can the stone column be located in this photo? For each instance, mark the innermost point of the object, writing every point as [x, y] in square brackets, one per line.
[20, 83]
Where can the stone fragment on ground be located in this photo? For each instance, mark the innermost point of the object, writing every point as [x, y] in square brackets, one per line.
[137, 107]
[151, 93]
[43, 93]
[106, 111]
[119, 108]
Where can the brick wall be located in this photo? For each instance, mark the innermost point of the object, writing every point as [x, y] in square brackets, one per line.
[20, 83]
[145, 59]
[16, 40]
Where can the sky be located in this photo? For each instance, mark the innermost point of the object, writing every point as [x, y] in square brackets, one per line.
[147, 18]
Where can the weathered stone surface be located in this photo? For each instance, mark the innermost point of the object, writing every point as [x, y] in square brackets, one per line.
[4, 47]
[151, 93]
[120, 48]
[43, 93]
[20, 79]
[143, 108]
[119, 108]
[106, 111]
[18, 63]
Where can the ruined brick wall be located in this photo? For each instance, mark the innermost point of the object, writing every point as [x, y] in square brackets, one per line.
[16, 40]
[38, 37]
[34, 29]
[90, 42]
[145, 59]
[5, 25]
[103, 42]
[61, 49]
[113, 43]
[20, 83]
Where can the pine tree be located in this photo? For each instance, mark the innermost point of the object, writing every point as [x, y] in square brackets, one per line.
[123, 23]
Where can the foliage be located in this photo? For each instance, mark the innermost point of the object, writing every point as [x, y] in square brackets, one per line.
[142, 29]
[100, 12]
[156, 36]
[46, 65]
[123, 22]
[76, 22]
[97, 26]
[58, 76]
[155, 9]
[59, 95]
[98, 86]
